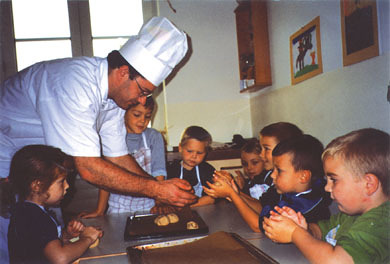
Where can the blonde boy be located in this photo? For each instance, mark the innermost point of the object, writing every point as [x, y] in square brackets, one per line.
[357, 168]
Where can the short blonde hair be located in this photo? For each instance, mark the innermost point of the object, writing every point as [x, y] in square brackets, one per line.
[363, 151]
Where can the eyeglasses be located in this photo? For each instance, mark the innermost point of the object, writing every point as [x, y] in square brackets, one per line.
[144, 92]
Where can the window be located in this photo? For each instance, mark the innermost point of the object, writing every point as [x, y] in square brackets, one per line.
[112, 22]
[40, 35]
[45, 34]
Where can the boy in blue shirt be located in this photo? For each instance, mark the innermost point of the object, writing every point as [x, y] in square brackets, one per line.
[298, 182]
[357, 169]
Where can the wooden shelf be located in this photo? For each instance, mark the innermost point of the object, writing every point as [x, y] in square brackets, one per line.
[253, 43]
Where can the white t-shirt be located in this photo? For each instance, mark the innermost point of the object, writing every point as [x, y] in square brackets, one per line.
[62, 103]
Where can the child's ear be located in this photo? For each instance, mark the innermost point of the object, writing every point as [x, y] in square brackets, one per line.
[36, 186]
[179, 148]
[305, 176]
[372, 183]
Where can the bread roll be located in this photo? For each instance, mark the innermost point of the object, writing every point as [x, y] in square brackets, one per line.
[95, 244]
[161, 220]
[173, 218]
[192, 225]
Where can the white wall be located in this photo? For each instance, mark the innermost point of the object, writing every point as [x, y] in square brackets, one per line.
[205, 91]
[337, 101]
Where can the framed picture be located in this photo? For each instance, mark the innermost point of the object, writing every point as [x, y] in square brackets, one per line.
[359, 30]
[305, 52]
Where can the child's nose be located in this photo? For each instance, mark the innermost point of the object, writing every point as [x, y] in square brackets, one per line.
[273, 174]
[142, 100]
[66, 185]
[328, 186]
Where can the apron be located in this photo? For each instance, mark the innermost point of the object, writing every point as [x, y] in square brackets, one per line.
[198, 187]
[128, 204]
[257, 190]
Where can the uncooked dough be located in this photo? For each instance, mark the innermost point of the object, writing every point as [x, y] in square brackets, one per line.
[161, 220]
[173, 218]
[192, 225]
[95, 244]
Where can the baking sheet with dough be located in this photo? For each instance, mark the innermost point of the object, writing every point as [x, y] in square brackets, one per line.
[143, 227]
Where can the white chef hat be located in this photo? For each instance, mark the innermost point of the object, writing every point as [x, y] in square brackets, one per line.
[156, 50]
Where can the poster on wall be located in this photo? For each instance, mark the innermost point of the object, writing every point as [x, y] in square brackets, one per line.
[359, 30]
[305, 52]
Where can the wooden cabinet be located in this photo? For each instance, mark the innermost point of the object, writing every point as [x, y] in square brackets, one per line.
[253, 45]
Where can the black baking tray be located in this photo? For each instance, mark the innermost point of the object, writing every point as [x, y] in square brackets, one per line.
[134, 254]
[144, 228]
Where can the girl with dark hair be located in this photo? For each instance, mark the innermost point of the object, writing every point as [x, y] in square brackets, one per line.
[37, 179]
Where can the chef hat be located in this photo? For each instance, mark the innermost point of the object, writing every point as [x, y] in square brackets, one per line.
[156, 50]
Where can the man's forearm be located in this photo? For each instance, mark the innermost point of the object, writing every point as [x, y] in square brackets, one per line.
[108, 175]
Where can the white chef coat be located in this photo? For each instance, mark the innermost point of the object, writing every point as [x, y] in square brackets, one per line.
[63, 103]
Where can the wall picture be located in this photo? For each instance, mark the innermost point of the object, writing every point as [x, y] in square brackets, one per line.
[359, 30]
[305, 52]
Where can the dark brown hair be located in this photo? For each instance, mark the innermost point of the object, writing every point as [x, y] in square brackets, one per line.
[37, 163]
[116, 60]
[281, 131]
[252, 146]
[306, 153]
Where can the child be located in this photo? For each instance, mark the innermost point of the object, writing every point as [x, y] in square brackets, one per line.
[357, 170]
[255, 182]
[146, 145]
[270, 136]
[38, 178]
[193, 147]
[298, 182]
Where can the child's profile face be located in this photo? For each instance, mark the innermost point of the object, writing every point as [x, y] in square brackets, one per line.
[267, 145]
[344, 188]
[137, 119]
[193, 153]
[285, 177]
[252, 164]
[57, 191]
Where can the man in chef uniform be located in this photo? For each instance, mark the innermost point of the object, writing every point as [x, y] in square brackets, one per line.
[78, 104]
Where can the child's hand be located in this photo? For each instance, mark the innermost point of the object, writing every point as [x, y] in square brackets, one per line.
[75, 228]
[92, 233]
[279, 228]
[85, 215]
[221, 188]
[286, 211]
[239, 179]
[224, 175]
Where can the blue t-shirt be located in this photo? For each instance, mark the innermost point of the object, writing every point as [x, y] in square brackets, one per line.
[313, 203]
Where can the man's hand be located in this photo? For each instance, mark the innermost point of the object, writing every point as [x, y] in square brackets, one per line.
[161, 208]
[176, 192]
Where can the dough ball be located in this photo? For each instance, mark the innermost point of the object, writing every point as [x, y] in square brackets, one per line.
[192, 225]
[173, 218]
[95, 244]
[161, 220]
[217, 183]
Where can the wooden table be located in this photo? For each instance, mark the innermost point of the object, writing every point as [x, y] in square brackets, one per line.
[222, 216]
